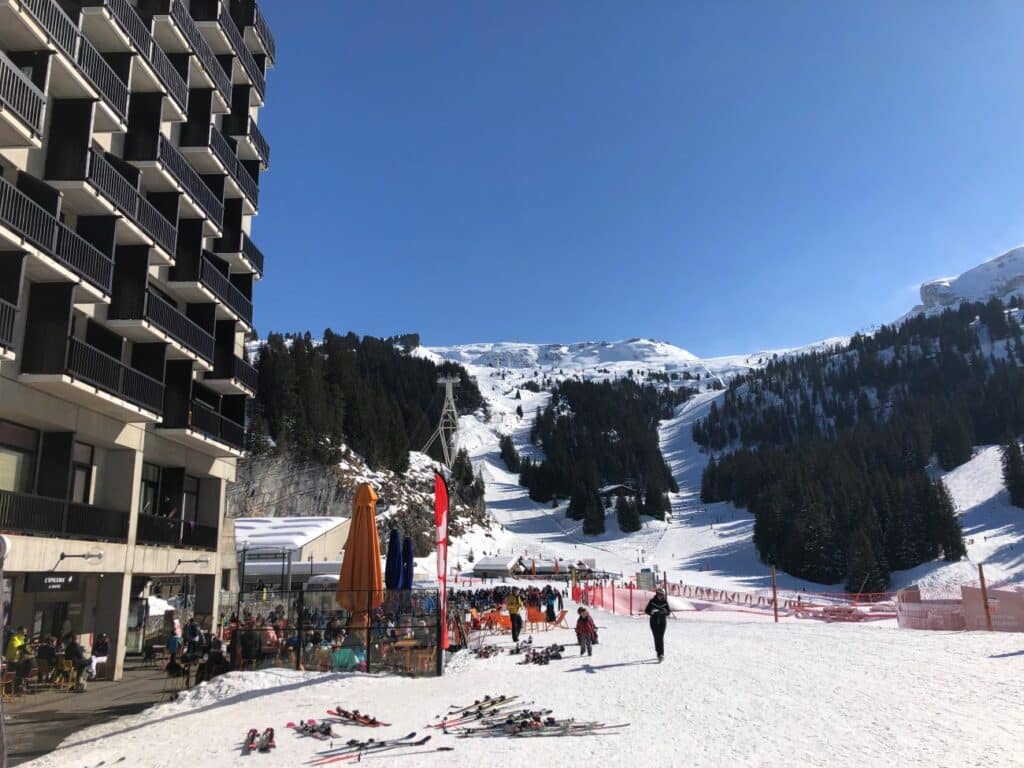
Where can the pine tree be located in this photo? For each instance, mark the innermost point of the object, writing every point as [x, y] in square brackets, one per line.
[863, 571]
[628, 515]
[1013, 471]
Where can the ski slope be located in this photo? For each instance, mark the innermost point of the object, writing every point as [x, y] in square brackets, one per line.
[728, 694]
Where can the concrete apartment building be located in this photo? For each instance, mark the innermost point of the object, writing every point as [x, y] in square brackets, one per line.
[130, 160]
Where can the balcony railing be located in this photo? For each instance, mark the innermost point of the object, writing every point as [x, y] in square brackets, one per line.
[245, 126]
[190, 181]
[176, 86]
[99, 369]
[167, 318]
[58, 25]
[7, 314]
[20, 96]
[27, 218]
[110, 86]
[115, 187]
[259, 23]
[175, 532]
[128, 20]
[247, 248]
[26, 513]
[163, 232]
[219, 12]
[179, 14]
[222, 287]
[238, 369]
[205, 419]
[84, 258]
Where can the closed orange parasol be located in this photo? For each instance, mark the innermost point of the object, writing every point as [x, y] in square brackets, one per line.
[360, 588]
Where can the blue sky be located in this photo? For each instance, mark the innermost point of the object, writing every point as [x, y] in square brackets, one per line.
[728, 176]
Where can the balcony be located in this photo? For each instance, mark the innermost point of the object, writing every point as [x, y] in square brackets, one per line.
[207, 431]
[115, 26]
[78, 72]
[174, 532]
[21, 108]
[102, 383]
[104, 190]
[257, 32]
[211, 285]
[243, 256]
[224, 38]
[176, 32]
[160, 321]
[164, 169]
[206, 149]
[27, 514]
[252, 145]
[8, 314]
[234, 377]
[57, 253]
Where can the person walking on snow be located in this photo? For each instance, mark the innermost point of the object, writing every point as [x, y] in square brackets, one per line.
[586, 632]
[514, 603]
[658, 610]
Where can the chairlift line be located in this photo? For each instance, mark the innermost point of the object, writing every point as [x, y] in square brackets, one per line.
[448, 427]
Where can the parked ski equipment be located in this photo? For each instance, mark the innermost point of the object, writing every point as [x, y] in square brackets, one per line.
[356, 718]
[251, 738]
[266, 742]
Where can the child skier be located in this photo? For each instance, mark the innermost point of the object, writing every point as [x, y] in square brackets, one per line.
[586, 632]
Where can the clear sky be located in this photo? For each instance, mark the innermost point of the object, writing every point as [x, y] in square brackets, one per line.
[727, 176]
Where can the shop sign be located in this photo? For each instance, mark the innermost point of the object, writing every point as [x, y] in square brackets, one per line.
[51, 582]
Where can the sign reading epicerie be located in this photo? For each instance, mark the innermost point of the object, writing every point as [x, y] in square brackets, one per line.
[50, 582]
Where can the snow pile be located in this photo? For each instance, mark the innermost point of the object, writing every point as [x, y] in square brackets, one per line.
[729, 693]
[1001, 278]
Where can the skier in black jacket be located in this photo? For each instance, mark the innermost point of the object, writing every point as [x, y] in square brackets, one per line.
[658, 610]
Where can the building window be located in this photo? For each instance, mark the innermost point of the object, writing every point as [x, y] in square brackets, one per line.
[81, 478]
[150, 487]
[191, 499]
[18, 450]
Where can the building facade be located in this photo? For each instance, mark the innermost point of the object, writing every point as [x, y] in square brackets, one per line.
[130, 160]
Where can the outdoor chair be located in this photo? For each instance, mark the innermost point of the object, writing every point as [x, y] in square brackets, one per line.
[535, 620]
[560, 621]
[7, 689]
[65, 676]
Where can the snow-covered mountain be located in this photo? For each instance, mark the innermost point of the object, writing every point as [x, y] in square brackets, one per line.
[1001, 278]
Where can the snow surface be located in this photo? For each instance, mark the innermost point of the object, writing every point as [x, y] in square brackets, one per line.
[288, 532]
[1001, 277]
[739, 693]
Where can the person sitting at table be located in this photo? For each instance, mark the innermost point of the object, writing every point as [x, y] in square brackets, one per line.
[100, 651]
[46, 660]
[75, 653]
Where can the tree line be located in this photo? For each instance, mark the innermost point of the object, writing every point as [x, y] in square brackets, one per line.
[363, 392]
[830, 451]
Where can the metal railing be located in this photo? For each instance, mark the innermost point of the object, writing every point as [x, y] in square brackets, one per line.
[167, 317]
[175, 532]
[245, 126]
[205, 419]
[58, 25]
[110, 86]
[129, 21]
[262, 28]
[105, 177]
[199, 536]
[237, 43]
[8, 313]
[38, 515]
[101, 370]
[249, 186]
[156, 225]
[222, 149]
[84, 258]
[19, 95]
[252, 254]
[245, 373]
[26, 217]
[225, 290]
[180, 15]
[190, 181]
[172, 80]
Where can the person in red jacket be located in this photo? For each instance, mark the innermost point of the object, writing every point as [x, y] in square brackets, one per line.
[586, 632]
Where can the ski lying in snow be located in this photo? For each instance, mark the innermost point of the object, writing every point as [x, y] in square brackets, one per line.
[359, 749]
[251, 738]
[546, 727]
[487, 701]
[496, 719]
[355, 744]
[356, 717]
[312, 728]
[474, 713]
[266, 742]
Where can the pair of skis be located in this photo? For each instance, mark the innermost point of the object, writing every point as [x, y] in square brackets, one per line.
[356, 718]
[316, 730]
[494, 719]
[356, 750]
[544, 727]
[463, 715]
[260, 742]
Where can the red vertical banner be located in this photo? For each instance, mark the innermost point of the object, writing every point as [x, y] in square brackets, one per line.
[441, 522]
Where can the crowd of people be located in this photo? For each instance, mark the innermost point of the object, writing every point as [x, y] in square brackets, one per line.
[38, 659]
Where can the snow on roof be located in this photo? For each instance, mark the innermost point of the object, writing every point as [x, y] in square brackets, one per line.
[499, 563]
[287, 532]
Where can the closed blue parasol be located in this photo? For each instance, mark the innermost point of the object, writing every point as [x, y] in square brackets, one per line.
[407, 563]
[393, 564]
